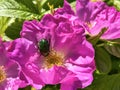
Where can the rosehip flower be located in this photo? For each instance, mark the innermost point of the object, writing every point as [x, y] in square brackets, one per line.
[8, 71]
[97, 15]
[54, 51]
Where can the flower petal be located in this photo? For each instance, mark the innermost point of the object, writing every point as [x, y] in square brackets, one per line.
[22, 50]
[87, 10]
[3, 54]
[32, 74]
[53, 75]
[12, 69]
[83, 72]
[66, 9]
[31, 29]
[65, 33]
[71, 84]
[81, 54]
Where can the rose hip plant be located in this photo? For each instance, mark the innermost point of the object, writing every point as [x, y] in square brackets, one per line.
[59, 45]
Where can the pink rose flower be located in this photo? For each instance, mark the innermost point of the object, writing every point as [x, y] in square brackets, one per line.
[55, 51]
[9, 71]
[96, 16]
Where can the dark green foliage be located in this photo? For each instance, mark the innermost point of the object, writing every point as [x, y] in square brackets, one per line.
[51, 87]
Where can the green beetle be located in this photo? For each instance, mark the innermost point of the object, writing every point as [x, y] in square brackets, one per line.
[44, 47]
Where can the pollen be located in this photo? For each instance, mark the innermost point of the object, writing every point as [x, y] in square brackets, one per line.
[54, 58]
[2, 74]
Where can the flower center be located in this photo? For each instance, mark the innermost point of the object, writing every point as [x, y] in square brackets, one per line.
[52, 59]
[2, 74]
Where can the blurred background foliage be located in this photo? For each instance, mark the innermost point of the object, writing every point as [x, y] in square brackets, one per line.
[107, 55]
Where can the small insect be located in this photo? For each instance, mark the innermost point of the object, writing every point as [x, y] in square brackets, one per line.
[44, 47]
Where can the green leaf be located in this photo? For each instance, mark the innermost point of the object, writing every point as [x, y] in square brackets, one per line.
[113, 48]
[109, 2]
[55, 3]
[10, 28]
[13, 31]
[4, 22]
[106, 82]
[12, 8]
[51, 87]
[117, 4]
[115, 65]
[103, 60]
[29, 4]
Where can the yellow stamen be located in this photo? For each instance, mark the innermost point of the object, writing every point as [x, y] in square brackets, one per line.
[51, 7]
[52, 59]
[2, 74]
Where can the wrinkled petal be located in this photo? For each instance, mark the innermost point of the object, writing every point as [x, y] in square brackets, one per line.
[108, 14]
[13, 84]
[66, 9]
[97, 26]
[3, 54]
[27, 80]
[22, 50]
[113, 32]
[48, 21]
[53, 75]
[12, 69]
[71, 84]
[31, 28]
[32, 73]
[83, 72]
[87, 10]
[81, 54]
[65, 33]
